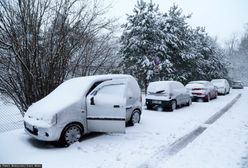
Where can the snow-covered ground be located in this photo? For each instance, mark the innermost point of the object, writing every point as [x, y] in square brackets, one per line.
[222, 145]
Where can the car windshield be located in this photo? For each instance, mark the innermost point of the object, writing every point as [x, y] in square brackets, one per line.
[236, 83]
[217, 81]
[158, 88]
[198, 82]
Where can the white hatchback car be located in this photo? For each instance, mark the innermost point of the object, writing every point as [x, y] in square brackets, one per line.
[222, 86]
[167, 95]
[101, 103]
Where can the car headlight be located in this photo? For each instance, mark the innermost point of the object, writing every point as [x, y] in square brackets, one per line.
[52, 120]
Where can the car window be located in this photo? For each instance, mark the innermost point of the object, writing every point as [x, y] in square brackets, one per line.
[114, 89]
[129, 92]
[94, 86]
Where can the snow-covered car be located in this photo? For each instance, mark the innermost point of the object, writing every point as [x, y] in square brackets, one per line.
[101, 103]
[202, 90]
[237, 85]
[167, 95]
[222, 86]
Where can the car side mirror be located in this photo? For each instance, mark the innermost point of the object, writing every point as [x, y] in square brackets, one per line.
[92, 102]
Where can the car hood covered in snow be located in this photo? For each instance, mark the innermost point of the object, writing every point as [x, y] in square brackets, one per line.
[62, 97]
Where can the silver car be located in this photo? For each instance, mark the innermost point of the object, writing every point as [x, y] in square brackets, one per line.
[222, 86]
[167, 95]
[102, 103]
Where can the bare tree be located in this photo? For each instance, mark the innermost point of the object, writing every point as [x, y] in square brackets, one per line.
[42, 42]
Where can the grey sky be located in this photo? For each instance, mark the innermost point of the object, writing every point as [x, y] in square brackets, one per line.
[222, 18]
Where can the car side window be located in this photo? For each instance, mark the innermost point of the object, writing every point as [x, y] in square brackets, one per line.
[94, 86]
[173, 88]
[129, 92]
[113, 89]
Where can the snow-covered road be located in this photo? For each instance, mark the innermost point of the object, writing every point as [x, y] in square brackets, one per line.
[224, 142]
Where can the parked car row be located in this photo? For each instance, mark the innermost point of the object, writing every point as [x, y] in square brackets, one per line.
[107, 103]
[168, 95]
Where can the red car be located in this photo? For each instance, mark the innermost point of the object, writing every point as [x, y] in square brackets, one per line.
[202, 90]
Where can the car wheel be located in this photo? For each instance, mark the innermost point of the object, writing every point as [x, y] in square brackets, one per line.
[189, 102]
[71, 134]
[207, 99]
[225, 92]
[135, 118]
[228, 91]
[149, 107]
[173, 105]
[216, 95]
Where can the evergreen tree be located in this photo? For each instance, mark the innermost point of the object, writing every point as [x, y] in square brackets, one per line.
[176, 36]
[158, 46]
[141, 45]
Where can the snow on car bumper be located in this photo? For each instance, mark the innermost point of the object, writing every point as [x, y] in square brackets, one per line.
[198, 95]
[51, 133]
[163, 103]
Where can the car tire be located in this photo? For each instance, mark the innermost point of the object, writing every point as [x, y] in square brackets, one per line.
[173, 105]
[189, 102]
[71, 134]
[216, 95]
[149, 107]
[207, 99]
[135, 118]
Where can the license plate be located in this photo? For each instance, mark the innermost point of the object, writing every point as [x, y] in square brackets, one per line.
[157, 102]
[29, 127]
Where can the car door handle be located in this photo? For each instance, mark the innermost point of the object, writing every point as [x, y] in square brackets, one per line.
[116, 106]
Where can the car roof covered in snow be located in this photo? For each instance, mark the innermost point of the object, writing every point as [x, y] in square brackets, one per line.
[218, 80]
[199, 82]
[195, 85]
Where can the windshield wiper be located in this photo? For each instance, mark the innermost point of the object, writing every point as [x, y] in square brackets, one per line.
[160, 91]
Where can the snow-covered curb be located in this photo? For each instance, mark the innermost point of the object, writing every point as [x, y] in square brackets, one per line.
[222, 145]
[217, 115]
[182, 142]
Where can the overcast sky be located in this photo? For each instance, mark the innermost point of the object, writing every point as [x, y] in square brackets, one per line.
[221, 18]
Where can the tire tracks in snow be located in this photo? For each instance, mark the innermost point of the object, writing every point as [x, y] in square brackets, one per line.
[166, 152]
